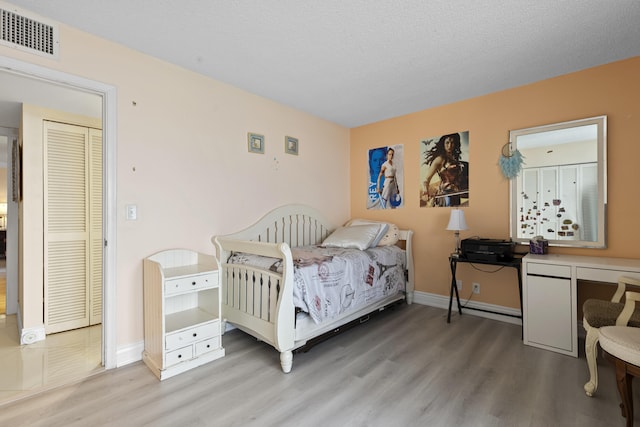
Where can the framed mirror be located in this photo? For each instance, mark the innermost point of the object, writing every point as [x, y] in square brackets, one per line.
[561, 191]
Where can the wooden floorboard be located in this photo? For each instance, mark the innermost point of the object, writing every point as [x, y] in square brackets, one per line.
[406, 367]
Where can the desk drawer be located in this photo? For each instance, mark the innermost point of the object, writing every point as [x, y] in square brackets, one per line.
[551, 270]
[603, 275]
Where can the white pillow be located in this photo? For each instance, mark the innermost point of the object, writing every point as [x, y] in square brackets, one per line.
[390, 236]
[356, 237]
[383, 229]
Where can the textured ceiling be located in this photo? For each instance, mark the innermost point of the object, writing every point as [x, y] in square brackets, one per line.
[355, 62]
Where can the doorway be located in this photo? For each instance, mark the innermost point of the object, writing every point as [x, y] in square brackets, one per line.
[8, 209]
[38, 80]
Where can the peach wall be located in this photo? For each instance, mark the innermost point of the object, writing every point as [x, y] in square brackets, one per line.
[612, 90]
[182, 158]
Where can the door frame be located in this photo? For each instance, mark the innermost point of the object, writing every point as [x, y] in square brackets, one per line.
[108, 93]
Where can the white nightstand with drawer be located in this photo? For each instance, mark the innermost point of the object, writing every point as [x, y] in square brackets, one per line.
[182, 327]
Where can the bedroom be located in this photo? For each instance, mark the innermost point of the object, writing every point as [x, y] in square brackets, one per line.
[165, 154]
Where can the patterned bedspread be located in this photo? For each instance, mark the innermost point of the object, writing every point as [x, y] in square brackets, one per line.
[331, 281]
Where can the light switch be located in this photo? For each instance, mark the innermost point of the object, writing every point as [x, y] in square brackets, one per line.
[132, 212]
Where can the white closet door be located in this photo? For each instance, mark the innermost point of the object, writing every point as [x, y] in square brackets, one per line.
[547, 223]
[530, 191]
[95, 225]
[588, 210]
[66, 227]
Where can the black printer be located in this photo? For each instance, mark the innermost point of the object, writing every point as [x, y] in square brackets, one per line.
[489, 250]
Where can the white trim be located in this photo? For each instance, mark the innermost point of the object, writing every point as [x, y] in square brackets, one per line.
[108, 93]
[32, 335]
[130, 353]
[440, 301]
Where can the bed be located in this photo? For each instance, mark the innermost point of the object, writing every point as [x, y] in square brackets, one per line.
[258, 297]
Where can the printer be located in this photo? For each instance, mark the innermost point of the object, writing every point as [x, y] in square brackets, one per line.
[488, 250]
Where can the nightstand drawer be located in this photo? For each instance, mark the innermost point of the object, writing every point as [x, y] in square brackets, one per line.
[185, 284]
[207, 345]
[179, 355]
[191, 335]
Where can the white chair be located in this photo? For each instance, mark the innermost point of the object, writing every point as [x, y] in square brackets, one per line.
[599, 313]
[622, 346]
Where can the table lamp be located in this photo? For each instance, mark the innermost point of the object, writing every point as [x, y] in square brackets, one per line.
[457, 223]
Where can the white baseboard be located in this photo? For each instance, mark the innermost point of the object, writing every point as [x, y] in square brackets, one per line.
[129, 353]
[32, 335]
[440, 301]
[29, 335]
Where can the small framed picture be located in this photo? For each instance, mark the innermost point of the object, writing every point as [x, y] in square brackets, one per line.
[291, 145]
[256, 143]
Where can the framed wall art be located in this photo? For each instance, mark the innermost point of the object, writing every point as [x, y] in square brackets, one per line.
[291, 145]
[444, 170]
[386, 177]
[255, 142]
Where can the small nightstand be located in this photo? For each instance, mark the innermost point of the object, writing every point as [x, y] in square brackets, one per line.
[182, 325]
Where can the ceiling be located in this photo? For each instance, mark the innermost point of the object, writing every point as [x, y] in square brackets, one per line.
[355, 62]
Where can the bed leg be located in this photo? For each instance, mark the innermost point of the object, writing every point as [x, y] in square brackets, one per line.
[410, 297]
[286, 361]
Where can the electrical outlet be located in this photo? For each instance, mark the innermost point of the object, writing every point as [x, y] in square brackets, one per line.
[476, 288]
[459, 284]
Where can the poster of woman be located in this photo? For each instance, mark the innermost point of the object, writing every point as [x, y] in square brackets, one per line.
[444, 170]
[386, 173]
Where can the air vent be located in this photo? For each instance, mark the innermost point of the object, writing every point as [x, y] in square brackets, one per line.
[28, 33]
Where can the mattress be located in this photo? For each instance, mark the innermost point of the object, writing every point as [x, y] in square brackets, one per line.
[329, 282]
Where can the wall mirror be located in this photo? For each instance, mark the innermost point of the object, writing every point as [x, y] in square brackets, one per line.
[561, 191]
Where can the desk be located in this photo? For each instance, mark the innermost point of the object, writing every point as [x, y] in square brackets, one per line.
[550, 295]
[516, 263]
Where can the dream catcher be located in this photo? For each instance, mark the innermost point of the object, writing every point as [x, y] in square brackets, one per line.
[510, 161]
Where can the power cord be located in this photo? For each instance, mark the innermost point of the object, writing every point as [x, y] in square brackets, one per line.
[468, 299]
[463, 305]
[487, 271]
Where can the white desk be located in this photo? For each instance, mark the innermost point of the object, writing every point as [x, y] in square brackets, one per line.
[550, 295]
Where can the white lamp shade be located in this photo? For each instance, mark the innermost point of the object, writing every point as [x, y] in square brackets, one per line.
[456, 220]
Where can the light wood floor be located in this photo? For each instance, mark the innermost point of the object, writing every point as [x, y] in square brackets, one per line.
[407, 367]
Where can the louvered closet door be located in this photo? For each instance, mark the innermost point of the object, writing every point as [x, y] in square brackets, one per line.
[95, 225]
[71, 252]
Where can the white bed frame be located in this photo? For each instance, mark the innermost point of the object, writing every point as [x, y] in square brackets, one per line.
[260, 302]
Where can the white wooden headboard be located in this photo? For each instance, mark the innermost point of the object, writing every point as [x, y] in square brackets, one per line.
[294, 224]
